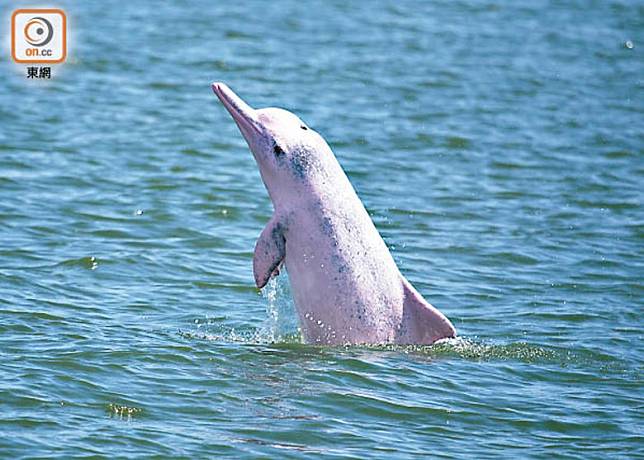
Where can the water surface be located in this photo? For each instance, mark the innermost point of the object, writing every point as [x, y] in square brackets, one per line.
[498, 147]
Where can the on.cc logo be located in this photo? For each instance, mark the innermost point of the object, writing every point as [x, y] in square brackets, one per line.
[39, 35]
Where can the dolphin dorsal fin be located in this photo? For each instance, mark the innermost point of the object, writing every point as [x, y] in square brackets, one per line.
[422, 322]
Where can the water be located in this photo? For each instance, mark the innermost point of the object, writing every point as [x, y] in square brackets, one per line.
[498, 147]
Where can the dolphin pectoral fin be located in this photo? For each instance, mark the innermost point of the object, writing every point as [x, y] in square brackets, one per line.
[422, 322]
[269, 253]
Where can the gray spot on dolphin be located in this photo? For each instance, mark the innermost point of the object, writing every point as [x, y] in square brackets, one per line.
[302, 164]
[299, 164]
[327, 226]
[339, 263]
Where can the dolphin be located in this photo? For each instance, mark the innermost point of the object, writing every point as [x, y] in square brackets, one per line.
[346, 286]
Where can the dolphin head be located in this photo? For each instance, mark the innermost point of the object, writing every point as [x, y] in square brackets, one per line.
[288, 153]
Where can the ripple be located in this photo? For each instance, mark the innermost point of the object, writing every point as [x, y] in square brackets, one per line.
[87, 262]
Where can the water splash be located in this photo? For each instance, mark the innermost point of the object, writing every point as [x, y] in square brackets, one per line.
[281, 324]
[473, 349]
[477, 350]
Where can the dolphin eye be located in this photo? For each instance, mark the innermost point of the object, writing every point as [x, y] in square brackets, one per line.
[304, 127]
[278, 150]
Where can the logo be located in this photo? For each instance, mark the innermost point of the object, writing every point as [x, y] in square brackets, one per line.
[39, 36]
[35, 31]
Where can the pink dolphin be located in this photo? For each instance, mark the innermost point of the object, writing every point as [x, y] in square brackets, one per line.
[346, 286]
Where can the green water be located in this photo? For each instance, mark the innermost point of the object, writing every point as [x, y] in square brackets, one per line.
[498, 146]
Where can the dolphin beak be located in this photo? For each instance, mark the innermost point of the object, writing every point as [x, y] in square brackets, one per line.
[243, 114]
